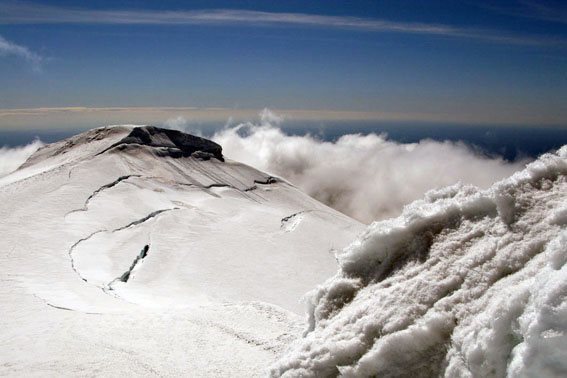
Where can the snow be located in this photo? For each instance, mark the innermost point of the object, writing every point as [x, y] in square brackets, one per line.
[464, 283]
[216, 292]
[138, 256]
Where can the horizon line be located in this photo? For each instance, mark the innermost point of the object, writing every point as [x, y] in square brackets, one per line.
[81, 116]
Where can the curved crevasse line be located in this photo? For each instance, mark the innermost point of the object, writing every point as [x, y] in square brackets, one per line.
[134, 223]
[70, 252]
[151, 215]
[239, 181]
[102, 188]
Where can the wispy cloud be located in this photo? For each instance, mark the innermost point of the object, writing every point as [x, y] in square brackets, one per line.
[27, 13]
[10, 48]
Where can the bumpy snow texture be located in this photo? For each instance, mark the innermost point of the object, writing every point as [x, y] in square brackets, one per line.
[465, 283]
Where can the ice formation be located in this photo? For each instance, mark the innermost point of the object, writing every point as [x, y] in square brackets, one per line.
[465, 283]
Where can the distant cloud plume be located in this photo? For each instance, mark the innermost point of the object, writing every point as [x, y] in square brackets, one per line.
[10, 48]
[365, 176]
[12, 158]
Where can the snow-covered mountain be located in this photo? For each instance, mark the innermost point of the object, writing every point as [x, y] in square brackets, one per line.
[143, 251]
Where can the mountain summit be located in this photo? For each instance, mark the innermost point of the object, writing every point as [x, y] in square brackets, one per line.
[162, 142]
[146, 234]
[171, 142]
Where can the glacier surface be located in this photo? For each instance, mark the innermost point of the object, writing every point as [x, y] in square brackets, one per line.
[137, 251]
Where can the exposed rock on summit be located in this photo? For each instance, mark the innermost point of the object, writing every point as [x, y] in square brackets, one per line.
[161, 142]
[172, 142]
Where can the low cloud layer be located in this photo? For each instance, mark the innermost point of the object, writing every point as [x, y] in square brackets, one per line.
[365, 176]
[12, 158]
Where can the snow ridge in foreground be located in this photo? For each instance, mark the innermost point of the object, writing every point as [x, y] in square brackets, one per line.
[464, 283]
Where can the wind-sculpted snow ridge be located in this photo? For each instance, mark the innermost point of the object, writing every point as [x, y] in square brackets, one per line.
[465, 283]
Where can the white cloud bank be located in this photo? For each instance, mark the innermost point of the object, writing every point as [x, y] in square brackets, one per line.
[9, 48]
[365, 176]
[12, 158]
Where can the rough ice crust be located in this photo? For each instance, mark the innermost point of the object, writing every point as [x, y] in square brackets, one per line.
[465, 283]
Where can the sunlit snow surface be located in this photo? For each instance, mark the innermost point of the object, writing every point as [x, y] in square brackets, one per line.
[130, 262]
[465, 283]
[127, 261]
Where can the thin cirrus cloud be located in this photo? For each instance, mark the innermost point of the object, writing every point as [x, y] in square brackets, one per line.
[8, 48]
[29, 13]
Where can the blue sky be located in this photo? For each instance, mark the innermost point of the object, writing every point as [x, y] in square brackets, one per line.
[458, 61]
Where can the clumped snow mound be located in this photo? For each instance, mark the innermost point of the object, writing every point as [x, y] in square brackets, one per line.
[465, 283]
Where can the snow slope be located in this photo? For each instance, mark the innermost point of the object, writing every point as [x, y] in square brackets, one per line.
[141, 251]
[465, 283]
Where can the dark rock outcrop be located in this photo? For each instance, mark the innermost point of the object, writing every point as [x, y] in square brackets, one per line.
[170, 142]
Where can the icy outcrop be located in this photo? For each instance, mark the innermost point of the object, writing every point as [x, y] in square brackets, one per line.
[465, 283]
